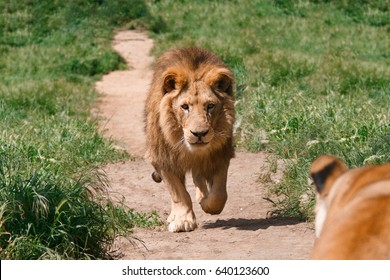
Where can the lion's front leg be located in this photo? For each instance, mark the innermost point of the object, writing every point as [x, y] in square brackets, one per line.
[182, 217]
[201, 186]
[216, 198]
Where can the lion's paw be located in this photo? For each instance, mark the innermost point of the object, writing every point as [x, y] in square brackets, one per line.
[213, 204]
[177, 226]
[185, 222]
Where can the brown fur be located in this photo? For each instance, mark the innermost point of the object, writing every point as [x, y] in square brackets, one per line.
[352, 210]
[189, 120]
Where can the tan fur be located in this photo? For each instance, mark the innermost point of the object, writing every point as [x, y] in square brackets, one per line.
[352, 210]
[189, 120]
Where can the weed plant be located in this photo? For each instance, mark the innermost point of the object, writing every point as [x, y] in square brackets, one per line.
[312, 77]
[51, 192]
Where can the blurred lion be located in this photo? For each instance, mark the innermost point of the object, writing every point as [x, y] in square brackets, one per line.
[352, 210]
[189, 122]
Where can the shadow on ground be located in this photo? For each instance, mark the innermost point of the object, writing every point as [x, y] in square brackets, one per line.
[252, 224]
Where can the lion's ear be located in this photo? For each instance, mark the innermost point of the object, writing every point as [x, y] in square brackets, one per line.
[169, 83]
[173, 79]
[224, 84]
[325, 170]
[222, 81]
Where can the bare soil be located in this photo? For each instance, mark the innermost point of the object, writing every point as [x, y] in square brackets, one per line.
[243, 230]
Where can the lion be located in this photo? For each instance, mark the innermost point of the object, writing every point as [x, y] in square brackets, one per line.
[189, 128]
[352, 210]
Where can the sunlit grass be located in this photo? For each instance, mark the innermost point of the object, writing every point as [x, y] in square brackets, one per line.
[52, 194]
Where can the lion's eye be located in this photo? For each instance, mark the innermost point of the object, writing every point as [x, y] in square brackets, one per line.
[210, 107]
[185, 107]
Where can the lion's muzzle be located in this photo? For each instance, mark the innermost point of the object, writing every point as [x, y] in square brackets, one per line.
[199, 137]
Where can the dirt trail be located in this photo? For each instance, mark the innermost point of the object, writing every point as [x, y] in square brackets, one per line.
[241, 231]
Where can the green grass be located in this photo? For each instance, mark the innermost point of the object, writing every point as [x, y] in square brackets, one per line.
[52, 202]
[312, 77]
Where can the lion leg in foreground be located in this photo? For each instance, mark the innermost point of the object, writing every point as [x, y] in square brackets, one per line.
[189, 128]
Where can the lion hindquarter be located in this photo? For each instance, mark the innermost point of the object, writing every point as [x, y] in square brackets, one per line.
[352, 210]
[189, 122]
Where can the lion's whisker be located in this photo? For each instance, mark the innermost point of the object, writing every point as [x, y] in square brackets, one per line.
[179, 145]
[221, 134]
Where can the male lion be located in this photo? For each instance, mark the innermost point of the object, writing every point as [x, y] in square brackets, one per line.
[352, 210]
[189, 120]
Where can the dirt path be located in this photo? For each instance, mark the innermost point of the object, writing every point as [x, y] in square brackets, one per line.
[241, 231]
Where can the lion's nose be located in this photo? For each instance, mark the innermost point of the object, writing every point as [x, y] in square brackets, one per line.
[199, 133]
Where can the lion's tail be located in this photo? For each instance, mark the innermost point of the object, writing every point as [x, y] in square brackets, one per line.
[156, 177]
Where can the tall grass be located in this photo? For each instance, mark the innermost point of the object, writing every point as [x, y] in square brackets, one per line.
[51, 192]
[312, 77]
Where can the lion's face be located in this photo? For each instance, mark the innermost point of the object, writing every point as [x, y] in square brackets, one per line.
[196, 108]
